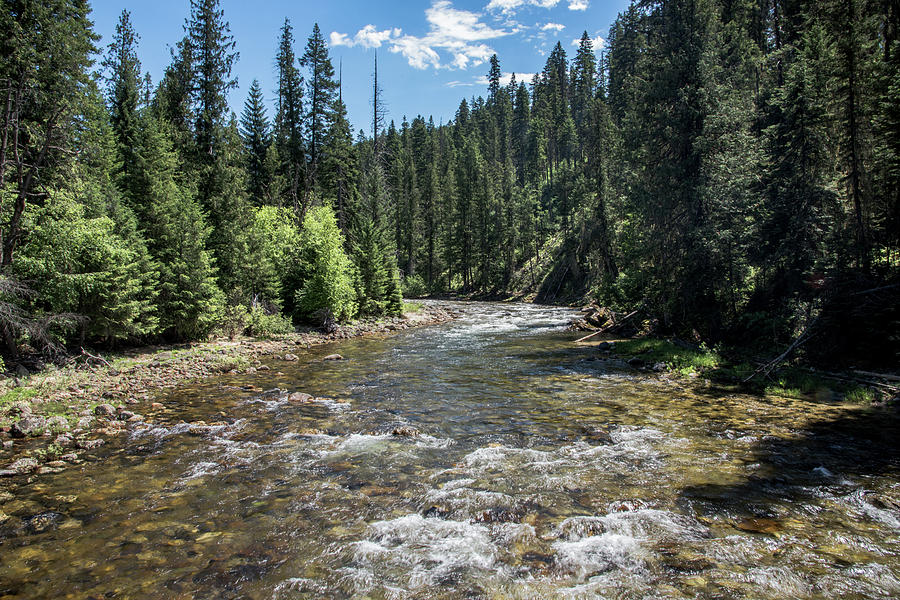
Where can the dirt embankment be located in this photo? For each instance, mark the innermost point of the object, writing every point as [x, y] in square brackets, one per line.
[47, 419]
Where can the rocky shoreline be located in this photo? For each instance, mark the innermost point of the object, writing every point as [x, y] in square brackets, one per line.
[55, 415]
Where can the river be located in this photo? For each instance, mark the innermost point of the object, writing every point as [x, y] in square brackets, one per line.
[489, 457]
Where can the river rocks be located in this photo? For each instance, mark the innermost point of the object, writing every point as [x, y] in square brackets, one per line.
[64, 441]
[43, 522]
[84, 422]
[29, 425]
[291, 357]
[90, 444]
[18, 409]
[23, 466]
[502, 515]
[636, 362]
[333, 357]
[405, 431]
[263, 368]
[604, 347]
[57, 423]
[125, 415]
[438, 511]
[759, 525]
[300, 397]
[71, 457]
[105, 410]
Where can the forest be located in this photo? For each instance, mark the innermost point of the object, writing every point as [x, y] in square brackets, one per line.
[729, 167]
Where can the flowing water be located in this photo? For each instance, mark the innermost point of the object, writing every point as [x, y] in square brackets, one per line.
[539, 471]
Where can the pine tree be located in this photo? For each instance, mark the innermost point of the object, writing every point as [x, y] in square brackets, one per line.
[213, 58]
[340, 169]
[289, 120]
[190, 303]
[123, 72]
[320, 91]
[257, 136]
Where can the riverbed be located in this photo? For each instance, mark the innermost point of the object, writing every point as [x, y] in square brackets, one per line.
[489, 457]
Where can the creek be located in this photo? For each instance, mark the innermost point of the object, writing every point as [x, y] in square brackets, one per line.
[489, 457]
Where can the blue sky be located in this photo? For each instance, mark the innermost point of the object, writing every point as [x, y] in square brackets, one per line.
[431, 53]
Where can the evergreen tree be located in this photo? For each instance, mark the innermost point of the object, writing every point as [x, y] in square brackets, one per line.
[123, 72]
[289, 120]
[320, 92]
[213, 58]
[256, 133]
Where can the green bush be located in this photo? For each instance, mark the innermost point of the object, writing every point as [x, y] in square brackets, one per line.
[234, 320]
[325, 271]
[414, 287]
[262, 324]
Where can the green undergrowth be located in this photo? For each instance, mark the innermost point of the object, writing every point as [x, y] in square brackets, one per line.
[712, 365]
[412, 307]
[686, 361]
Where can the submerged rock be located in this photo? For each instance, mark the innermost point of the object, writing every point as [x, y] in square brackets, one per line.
[759, 525]
[405, 431]
[333, 357]
[43, 522]
[300, 397]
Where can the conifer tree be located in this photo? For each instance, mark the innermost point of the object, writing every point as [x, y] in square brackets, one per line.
[256, 133]
[289, 120]
[123, 72]
[320, 92]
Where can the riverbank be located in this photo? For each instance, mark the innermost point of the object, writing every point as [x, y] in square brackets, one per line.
[48, 418]
[675, 358]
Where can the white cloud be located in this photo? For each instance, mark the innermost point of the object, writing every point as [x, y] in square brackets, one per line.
[598, 42]
[367, 37]
[340, 39]
[553, 27]
[511, 6]
[482, 80]
[578, 4]
[459, 33]
[417, 52]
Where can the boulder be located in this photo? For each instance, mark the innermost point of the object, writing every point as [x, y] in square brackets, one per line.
[333, 357]
[300, 397]
[105, 410]
[23, 466]
[27, 426]
[405, 431]
[636, 362]
[291, 357]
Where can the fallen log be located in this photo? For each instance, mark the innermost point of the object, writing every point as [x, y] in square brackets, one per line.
[609, 328]
[97, 358]
[768, 367]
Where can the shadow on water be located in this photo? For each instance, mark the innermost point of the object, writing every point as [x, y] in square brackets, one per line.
[855, 445]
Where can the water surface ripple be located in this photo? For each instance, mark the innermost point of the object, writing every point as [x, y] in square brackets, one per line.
[539, 471]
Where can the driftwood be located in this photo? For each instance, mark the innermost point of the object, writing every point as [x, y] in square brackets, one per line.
[609, 328]
[769, 366]
[878, 375]
[97, 358]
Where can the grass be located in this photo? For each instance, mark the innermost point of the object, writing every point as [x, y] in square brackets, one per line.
[17, 394]
[412, 307]
[685, 361]
[787, 382]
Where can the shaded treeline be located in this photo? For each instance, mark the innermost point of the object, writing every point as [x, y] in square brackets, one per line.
[729, 165]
